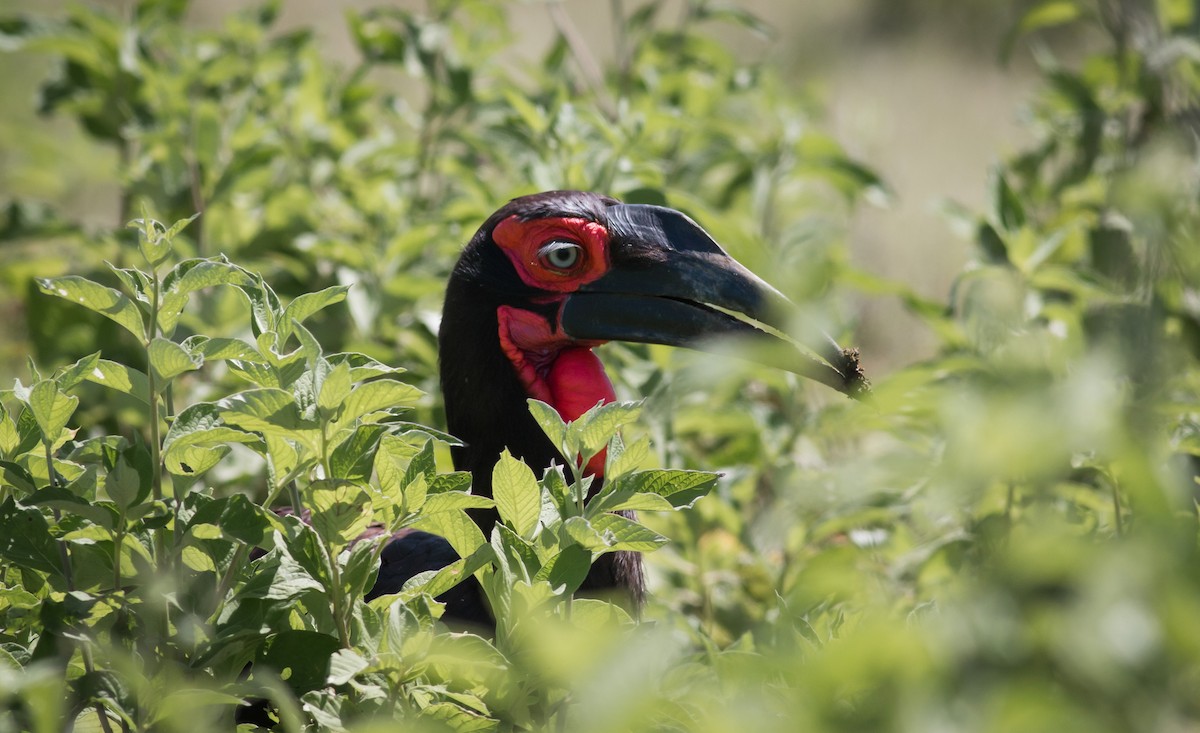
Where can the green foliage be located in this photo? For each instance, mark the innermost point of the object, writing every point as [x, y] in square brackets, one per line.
[1003, 539]
[106, 521]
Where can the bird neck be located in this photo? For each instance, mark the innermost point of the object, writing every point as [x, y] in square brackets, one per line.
[485, 397]
[485, 401]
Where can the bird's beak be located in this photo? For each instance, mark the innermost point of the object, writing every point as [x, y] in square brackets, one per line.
[671, 283]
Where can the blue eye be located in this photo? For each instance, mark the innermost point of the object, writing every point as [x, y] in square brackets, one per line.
[560, 255]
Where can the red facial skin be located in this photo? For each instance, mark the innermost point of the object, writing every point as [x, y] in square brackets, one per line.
[521, 240]
[554, 368]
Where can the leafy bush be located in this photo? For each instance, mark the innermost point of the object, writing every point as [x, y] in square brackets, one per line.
[1003, 539]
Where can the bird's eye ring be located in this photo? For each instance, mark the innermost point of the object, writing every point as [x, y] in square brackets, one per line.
[559, 255]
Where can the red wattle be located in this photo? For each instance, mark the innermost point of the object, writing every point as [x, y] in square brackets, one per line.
[577, 382]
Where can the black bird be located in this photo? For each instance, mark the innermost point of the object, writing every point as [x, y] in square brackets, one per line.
[544, 280]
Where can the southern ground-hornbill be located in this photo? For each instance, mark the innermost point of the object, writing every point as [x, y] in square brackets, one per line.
[544, 280]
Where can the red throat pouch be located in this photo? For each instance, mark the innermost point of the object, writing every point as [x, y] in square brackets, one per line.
[577, 382]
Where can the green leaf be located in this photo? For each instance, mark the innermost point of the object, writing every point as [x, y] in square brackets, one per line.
[15, 475]
[306, 656]
[353, 456]
[198, 439]
[363, 367]
[1046, 14]
[135, 281]
[15, 598]
[581, 532]
[340, 510]
[125, 484]
[655, 490]
[443, 580]
[625, 534]
[96, 297]
[453, 481]
[456, 527]
[623, 459]
[152, 240]
[567, 569]
[103, 514]
[517, 494]
[422, 463]
[390, 462]
[449, 500]
[189, 276]
[265, 309]
[591, 432]
[272, 411]
[533, 116]
[378, 395]
[282, 457]
[179, 226]
[279, 577]
[591, 614]
[72, 375]
[121, 378]
[259, 374]
[995, 250]
[550, 421]
[510, 546]
[335, 388]
[1009, 208]
[9, 437]
[168, 360]
[213, 349]
[309, 303]
[51, 408]
[343, 665]
[238, 518]
[416, 492]
[399, 463]
[736, 16]
[25, 539]
[362, 565]
[557, 487]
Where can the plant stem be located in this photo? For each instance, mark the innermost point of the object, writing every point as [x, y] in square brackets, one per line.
[621, 43]
[561, 714]
[593, 74]
[195, 186]
[118, 546]
[294, 493]
[239, 556]
[339, 614]
[160, 545]
[151, 332]
[578, 490]
[64, 556]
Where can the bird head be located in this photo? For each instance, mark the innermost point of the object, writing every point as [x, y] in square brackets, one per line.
[550, 276]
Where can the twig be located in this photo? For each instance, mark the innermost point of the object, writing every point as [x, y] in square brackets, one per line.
[593, 74]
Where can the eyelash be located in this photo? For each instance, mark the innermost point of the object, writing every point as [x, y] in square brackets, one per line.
[552, 248]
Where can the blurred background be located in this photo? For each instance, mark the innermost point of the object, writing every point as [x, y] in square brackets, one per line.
[914, 89]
